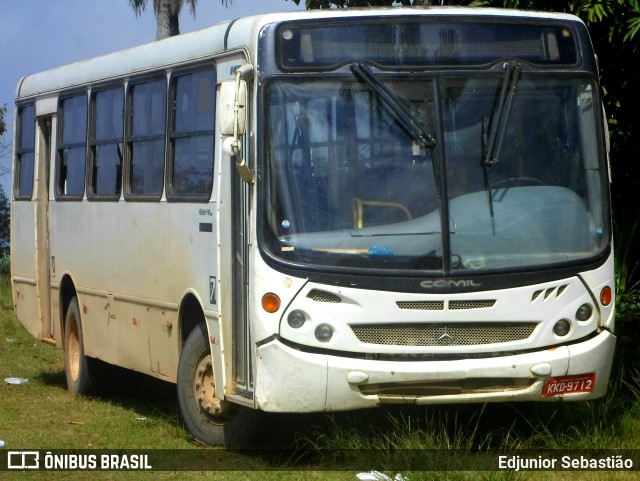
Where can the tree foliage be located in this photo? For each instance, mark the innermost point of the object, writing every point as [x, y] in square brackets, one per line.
[620, 19]
[4, 202]
[4, 222]
[5, 149]
[3, 125]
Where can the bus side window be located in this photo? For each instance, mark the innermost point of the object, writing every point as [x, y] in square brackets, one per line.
[146, 139]
[25, 152]
[72, 147]
[191, 137]
[105, 178]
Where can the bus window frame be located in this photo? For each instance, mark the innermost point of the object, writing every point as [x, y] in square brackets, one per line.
[91, 154]
[20, 152]
[170, 193]
[129, 139]
[60, 146]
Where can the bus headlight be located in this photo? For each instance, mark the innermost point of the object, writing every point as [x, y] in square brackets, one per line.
[562, 328]
[296, 318]
[324, 333]
[584, 312]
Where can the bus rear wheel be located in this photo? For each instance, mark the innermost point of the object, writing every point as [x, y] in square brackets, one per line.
[208, 418]
[76, 364]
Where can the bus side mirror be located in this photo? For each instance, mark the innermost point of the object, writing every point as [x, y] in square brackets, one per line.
[233, 118]
[233, 109]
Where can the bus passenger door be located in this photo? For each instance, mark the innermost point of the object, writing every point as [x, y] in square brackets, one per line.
[242, 362]
[234, 197]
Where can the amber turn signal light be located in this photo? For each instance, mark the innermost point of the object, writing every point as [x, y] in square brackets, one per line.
[606, 296]
[270, 302]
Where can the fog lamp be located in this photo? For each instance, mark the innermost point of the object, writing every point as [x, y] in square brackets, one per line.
[584, 312]
[296, 318]
[562, 328]
[324, 333]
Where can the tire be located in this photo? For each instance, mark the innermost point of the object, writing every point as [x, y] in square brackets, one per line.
[209, 419]
[76, 365]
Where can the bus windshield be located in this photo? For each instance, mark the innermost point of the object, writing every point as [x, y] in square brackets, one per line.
[513, 159]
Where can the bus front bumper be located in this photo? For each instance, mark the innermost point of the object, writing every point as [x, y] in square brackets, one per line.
[290, 380]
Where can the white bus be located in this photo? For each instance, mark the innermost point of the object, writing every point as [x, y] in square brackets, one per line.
[321, 211]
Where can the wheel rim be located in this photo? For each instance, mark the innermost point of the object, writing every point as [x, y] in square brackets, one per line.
[211, 407]
[73, 350]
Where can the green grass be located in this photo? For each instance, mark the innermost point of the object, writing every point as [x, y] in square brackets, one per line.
[138, 412]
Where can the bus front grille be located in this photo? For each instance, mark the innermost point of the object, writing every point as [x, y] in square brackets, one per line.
[464, 305]
[324, 296]
[439, 305]
[438, 334]
[404, 391]
[421, 305]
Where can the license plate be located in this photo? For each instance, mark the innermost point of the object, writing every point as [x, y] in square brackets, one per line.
[569, 384]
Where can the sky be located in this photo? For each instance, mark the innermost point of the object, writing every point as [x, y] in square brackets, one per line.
[36, 35]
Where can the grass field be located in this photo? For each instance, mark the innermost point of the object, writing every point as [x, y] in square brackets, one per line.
[138, 412]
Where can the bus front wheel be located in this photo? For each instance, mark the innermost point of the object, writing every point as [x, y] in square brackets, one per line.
[207, 417]
[76, 364]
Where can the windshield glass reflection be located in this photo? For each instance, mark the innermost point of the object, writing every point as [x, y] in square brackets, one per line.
[348, 185]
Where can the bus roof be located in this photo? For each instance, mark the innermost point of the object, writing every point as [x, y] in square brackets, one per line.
[229, 35]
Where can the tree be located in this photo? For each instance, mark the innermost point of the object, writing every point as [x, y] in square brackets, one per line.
[167, 13]
[4, 202]
[4, 222]
[3, 126]
[4, 148]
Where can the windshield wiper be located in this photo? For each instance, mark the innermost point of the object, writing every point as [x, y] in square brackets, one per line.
[403, 115]
[502, 114]
[405, 118]
[492, 142]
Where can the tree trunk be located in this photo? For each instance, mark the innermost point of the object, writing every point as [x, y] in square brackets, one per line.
[167, 18]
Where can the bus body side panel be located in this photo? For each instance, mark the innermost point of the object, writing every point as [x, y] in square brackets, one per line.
[133, 262]
[23, 264]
